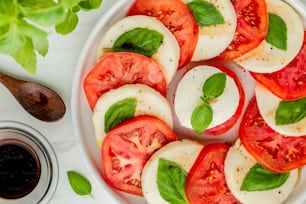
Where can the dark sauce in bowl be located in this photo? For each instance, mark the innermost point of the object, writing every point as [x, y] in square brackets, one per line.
[19, 169]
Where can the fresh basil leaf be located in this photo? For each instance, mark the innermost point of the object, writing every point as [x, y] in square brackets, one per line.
[8, 15]
[26, 56]
[201, 118]
[12, 40]
[88, 5]
[119, 112]
[85, 5]
[69, 24]
[79, 183]
[38, 36]
[277, 32]
[139, 40]
[289, 112]
[205, 13]
[214, 85]
[260, 179]
[4, 25]
[8, 8]
[68, 4]
[95, 3]
[76, 9]
[171, 179]
[4, 29]
[36, 4]
[48, 16]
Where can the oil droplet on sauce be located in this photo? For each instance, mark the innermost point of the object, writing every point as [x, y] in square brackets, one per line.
[19, 169]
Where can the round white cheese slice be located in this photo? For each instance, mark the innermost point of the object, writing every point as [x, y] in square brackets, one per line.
[184, 153]
[215, 38]
[149, 102]
[237, 164]
[168, 53]
[267, 105]
[267, 58]
[189, 91]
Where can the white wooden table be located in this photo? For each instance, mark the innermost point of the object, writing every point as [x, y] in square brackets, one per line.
[56, 70]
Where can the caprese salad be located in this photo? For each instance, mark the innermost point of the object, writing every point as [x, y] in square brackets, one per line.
[138, 60]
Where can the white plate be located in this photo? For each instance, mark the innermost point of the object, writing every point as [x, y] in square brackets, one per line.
[81, 113]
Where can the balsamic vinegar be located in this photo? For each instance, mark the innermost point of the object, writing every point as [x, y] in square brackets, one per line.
[19, 169]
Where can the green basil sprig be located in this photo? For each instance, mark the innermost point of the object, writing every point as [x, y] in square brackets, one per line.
[119, 112]
[48, 14]
[68, 24]
[22, 24]
[171, 179]
[205, 13]
[289, 112]
[79, 183]
[140, 40]
[203, 114]
[71, 19]
[88, 5]
[277, 32]
[261, 179]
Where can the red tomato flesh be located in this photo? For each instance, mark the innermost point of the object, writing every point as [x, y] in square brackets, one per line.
[288, 83]
[206, 182]
[118, 68]
[177, 17]
[224, 127]
[127, 147]
[252, 28]
[274, 151]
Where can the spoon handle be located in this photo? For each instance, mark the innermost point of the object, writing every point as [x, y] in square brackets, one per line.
[11, 83]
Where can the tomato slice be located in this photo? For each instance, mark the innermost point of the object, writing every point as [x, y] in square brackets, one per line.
[252, 28]
[119, 68]
[274, 151]
[224, 127]
[206, 182]
[176, 16]
[127, 147]
[288, 83]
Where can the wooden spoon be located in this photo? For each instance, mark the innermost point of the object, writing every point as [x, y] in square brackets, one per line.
[40, 101]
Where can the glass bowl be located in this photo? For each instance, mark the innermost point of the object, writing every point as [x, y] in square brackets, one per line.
[30, 140]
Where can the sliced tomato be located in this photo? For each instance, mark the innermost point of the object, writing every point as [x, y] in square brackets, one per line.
[224, 127]
[206, 182]
[119, 68]
[288, 83]
[127, 147]
[252, 28]
[176, 16]
[274, 151]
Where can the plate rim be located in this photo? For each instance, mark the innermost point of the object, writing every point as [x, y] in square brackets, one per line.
[77, 91]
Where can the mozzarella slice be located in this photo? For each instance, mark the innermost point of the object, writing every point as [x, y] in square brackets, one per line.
[237, 164]
[182, 152]
[215, 38]
[168, 53]
[266, 58]
[189, 91]
[149, 102]
[267, 104]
